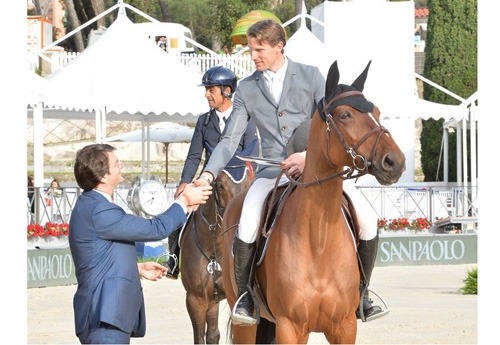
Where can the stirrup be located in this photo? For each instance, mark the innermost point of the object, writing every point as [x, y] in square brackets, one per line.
[241, 320]
[384, 311]
[165, 262]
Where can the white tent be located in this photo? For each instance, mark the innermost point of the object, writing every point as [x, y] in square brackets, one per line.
[123, 77]
[123, 73]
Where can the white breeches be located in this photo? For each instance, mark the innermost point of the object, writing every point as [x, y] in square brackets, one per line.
[253, 205]
[254, 201]
[367, 217]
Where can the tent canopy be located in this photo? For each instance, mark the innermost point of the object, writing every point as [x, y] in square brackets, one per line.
[126, 75]
[163, 133]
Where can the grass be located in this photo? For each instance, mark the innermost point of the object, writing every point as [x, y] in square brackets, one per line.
[470, 283]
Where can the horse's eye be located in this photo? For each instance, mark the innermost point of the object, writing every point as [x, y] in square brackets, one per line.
[345, 115]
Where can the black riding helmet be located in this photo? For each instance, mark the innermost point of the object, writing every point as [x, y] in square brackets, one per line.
[221, 76]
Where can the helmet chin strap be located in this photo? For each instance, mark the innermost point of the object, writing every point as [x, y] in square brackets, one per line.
[228, 95]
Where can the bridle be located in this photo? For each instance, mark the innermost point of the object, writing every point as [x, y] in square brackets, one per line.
[218, 209]
[360, 164]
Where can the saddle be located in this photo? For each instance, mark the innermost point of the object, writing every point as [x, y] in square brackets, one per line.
[273, 208]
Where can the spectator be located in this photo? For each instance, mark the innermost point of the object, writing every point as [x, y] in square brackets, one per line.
[52, 191]
[162, 43]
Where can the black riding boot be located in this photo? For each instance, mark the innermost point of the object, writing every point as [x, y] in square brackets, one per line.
[368, 253]
[243, 257]
[174, 250]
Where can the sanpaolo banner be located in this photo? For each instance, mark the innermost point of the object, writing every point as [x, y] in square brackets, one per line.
[446, 249]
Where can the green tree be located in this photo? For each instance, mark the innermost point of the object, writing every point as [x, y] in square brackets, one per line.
[450, 61]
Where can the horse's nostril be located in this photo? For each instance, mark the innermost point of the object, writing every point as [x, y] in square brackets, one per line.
[388, 162]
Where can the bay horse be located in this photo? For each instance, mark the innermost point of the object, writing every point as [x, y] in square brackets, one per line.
[201, 252]
[309, 278]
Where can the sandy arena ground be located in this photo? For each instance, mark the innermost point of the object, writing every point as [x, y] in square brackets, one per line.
[426, 308]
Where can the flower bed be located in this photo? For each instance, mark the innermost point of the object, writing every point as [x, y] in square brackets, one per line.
[404, 224]
[49, 229]
[50, 235]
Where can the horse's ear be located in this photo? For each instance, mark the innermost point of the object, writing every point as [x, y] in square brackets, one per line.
[359, 83]
[332, 80]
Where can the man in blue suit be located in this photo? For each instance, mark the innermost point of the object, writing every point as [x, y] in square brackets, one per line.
[109, 304]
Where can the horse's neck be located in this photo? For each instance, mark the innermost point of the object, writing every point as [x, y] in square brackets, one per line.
[324, 197]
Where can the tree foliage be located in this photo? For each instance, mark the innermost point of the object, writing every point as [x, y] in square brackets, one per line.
[450, 61]
[211, 21]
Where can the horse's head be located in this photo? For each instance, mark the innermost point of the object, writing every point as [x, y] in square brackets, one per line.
[354, 121]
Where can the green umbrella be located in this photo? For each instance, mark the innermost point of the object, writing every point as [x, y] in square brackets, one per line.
[239, 33]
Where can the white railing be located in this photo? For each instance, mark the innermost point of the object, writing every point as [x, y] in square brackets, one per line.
[415, 202]
[388, 202]
[241, 64]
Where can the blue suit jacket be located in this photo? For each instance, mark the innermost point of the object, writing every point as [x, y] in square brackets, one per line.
[102, 242]
[206, 136]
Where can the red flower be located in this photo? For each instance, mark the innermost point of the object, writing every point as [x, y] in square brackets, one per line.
[403, 223]
[420, 224]
[50, 229]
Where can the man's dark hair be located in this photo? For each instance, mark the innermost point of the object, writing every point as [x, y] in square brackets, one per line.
[91, 165]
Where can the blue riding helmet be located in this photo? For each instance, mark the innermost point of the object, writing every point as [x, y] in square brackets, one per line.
[221, 76]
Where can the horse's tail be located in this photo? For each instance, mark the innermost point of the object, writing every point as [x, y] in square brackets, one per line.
[266, 332]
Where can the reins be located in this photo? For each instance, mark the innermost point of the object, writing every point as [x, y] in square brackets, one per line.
[219, 211]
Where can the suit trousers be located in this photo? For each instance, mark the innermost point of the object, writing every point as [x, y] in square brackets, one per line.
[105, 334]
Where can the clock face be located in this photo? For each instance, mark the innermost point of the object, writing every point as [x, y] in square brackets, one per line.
[153, 198]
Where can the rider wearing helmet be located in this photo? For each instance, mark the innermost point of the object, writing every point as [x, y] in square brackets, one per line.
[220, 85]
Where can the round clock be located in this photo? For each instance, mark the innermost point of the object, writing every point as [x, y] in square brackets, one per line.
[147, 197]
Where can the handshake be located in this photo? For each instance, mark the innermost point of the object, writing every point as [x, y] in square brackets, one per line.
[193, 196]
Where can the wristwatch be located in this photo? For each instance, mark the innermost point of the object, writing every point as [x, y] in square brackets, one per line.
[147, 197]
[206, 178]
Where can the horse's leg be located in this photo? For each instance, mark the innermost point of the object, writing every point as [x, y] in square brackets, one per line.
[197, 309]
[286, 333]
[244, 334]
[345, 333]
[213, 334]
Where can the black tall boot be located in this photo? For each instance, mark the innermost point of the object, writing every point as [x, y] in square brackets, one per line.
[174, 250]
[368, 253]
[243, 257]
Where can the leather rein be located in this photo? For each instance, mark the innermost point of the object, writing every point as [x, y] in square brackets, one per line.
[360, 164]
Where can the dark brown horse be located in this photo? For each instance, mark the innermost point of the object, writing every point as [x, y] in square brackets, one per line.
[201, 253]
[309, 277]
